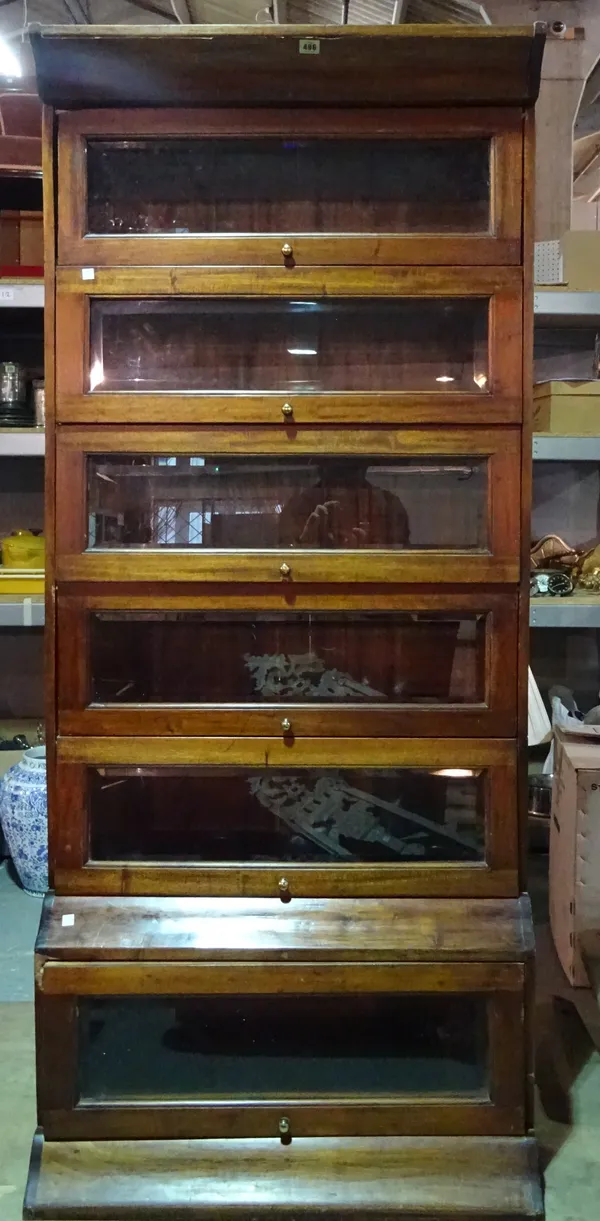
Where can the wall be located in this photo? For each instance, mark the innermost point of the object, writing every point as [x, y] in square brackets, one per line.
[565, 69]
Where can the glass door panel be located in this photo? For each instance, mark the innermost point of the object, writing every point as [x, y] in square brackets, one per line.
[261, 815]
[206, 345]
[281, 1047]
[268, 185]
[200, 657]
[307, 502]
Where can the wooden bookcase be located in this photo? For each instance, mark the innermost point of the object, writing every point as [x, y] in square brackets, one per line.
[287, 963]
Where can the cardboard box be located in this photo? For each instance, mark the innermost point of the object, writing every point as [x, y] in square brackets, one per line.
[9, 239]
[31, 239]
[21, 239]
[581, 260]
[575, 849]
[567, 408]
[576, 264]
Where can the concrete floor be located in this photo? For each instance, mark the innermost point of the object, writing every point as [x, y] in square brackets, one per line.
[568, 1070]
[19, 919]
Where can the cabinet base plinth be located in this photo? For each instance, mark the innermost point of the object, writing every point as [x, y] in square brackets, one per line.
[414, 1179]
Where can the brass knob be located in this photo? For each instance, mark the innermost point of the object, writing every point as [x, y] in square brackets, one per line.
[284, 1126]
[286, 725]
[285, 569]
[287, 250]
[283, 887]
[287, 409]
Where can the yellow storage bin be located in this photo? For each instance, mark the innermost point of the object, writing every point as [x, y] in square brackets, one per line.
[21, 581]
[22, 549]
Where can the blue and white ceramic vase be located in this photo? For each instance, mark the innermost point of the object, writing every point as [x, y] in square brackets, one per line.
[24, 817]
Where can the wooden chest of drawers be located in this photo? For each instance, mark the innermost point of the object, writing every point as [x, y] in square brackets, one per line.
[286, 967]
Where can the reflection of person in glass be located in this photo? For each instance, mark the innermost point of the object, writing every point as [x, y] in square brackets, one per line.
[345, 508]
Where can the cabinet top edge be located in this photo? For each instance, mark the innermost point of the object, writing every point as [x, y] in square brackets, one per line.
[406, 65]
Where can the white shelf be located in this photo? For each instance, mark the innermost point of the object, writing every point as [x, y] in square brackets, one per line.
[568, 308]
[22, 442]
[579, 610]
[22, 610]
[547, 448]
[21, 294]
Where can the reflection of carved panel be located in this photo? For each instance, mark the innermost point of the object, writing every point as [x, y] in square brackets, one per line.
[341, 818]
[286, 676]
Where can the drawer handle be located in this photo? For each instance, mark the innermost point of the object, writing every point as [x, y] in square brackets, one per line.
[287, 250]
[285, 1127]
[285, 570]
[283, 887]
[287, 410]
[286, 725]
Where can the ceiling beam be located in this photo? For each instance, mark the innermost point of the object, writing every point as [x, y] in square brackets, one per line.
[148, 6]
[590, 166]
[588, 121]
[75, 7]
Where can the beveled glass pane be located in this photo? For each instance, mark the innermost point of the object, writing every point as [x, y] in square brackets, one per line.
[281, 1046]
[200, 657]
[265, 184]
[362, 814]
[302, 501]
[235, 345]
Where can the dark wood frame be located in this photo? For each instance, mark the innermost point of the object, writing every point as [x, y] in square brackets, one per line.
[498, 565]
[500, 246]
[493, 717]
[74, 873]
[64, 1118]
[501, 403]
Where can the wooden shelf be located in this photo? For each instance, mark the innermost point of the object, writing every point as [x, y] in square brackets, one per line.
[338, 1178]
[237, 929]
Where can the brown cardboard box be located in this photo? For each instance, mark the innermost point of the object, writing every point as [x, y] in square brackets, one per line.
[9, 239]
[31, 244]
[567, 408]
[581, 260]
[575, 850]
[21, 239]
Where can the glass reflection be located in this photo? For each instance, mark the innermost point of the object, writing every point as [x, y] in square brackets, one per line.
[303, 501]
[285, 814]
[203, 657]
[212, 345]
